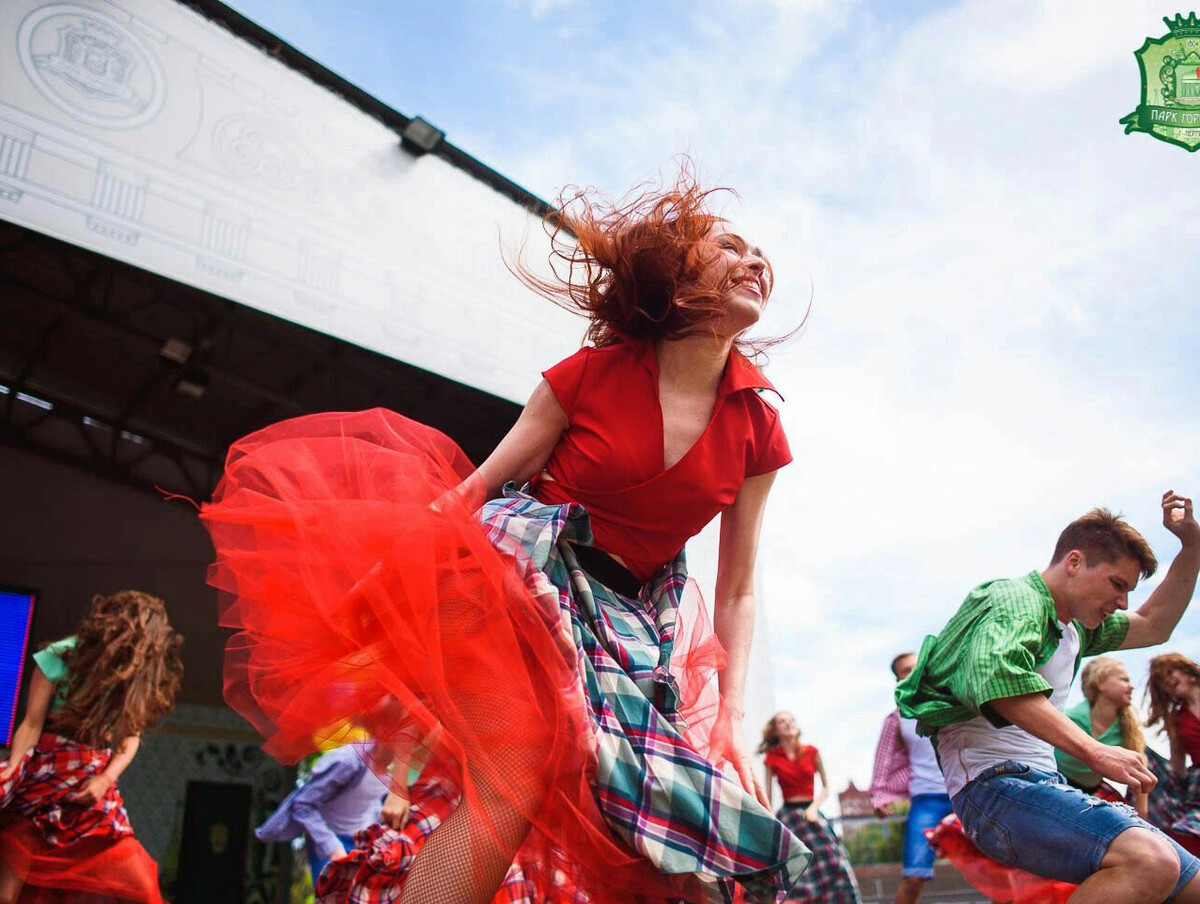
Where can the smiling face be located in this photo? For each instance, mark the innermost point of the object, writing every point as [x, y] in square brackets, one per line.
[785, 727]
[748, 274]
[1178, 683]
[1117, 688]
[1094, 592]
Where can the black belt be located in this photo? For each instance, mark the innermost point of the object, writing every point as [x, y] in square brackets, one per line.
[608, 571]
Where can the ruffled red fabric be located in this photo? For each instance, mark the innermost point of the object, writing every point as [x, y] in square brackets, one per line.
[1003, 884]
[362, 588]
[91, 869]
[57, 846]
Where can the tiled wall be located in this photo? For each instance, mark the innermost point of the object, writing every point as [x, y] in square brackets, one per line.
[204, 743]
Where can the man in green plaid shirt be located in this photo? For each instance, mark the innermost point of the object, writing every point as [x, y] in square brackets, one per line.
[990, 690]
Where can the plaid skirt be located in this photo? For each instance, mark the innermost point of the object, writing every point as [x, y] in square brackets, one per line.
[1174, 804]
[829, 878]
[51, 842]
[374, 871]
[656, 792]
[48, 775]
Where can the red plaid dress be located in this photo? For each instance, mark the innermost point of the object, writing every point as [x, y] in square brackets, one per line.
[55, 843]
[374, 872]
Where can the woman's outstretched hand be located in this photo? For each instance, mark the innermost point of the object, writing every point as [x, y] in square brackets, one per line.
[744, 765]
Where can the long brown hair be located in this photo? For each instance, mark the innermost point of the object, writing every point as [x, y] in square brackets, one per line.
[636, 267]
[770, 734]
[1164, 706]
[124, 671]
[1094, 674]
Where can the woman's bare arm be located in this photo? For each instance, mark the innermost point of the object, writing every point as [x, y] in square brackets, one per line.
[814, 809]
[97, 786]
[734, 607]
[37, 705]
[526, 448]
[1178, 754]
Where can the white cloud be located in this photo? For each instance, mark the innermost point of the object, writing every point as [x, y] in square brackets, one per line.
[537, 9]
[1003, 330]
[996, 267]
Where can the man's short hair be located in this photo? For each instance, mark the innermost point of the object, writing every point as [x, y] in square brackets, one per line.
[1104, 537]
[896, 663]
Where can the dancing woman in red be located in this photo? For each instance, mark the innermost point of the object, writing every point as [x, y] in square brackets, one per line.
[829, 878]
[1174, 691]
[63, 825]
[555, 658]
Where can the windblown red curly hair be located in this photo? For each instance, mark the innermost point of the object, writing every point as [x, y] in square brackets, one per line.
[124, 671]
[770, 733]
[1165, 707]
[638, 268]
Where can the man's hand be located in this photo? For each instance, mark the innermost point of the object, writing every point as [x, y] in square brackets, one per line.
[1156, 619]
[1121, 765]
[90, 791]
[395, 810]
[884, 811]
[1179, 519]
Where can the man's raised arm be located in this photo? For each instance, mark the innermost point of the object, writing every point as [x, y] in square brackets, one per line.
[1156, 618]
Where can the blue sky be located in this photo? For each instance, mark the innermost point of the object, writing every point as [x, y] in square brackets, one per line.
[1003, 332]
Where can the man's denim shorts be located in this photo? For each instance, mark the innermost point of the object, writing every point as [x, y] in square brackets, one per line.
[1031, 819]
[926, 812]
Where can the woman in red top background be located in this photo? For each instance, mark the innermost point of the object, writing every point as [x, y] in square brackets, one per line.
[830, 878]
[558, 661]
[1174, 692]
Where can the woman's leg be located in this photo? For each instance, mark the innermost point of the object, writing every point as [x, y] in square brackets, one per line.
[10, 884]
[467, 856]
[462, 863]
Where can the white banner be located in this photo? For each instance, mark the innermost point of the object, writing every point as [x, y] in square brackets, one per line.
[142, 131]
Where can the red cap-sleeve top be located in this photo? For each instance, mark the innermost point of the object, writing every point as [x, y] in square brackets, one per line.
[795, 776]
[610, 459]
[1187, 727]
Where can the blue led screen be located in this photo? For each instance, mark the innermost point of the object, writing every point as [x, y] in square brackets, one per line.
[16, 615]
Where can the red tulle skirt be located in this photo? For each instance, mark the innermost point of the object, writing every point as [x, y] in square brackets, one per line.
[364, 590]
[64, 851]
[88, 870]
[1003, 884]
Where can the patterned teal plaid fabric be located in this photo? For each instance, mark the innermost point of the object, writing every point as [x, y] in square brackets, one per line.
[829, 879]
[1174, 804]
[657, 793]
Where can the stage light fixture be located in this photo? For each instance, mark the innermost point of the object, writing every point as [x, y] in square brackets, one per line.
[193, 383]
[420, 136]
[176, 350]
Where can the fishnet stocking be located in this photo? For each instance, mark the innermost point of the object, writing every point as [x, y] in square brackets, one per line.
[464, 861]
[467, 856]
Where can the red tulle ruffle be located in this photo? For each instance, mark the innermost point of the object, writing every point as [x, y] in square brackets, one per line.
[1003, 884]
[89, 868]
[364, 590]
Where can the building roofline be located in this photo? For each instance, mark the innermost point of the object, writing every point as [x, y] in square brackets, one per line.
[270, 43]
